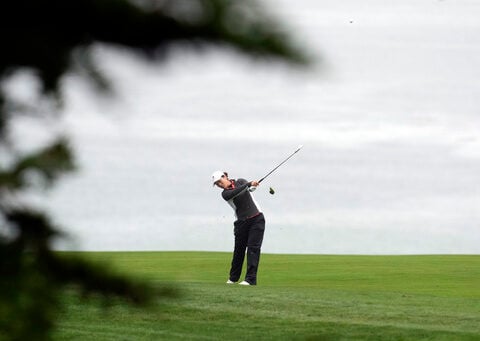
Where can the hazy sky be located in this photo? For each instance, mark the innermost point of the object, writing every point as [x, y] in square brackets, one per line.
[389, 123]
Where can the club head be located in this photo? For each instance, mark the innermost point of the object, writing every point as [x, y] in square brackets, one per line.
[272, 191]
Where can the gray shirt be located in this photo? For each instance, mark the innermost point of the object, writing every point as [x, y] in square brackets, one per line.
[241, 200]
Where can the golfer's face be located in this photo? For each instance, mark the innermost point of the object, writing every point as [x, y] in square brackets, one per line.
[223, 182]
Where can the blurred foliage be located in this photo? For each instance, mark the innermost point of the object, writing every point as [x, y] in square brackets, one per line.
[49, 37]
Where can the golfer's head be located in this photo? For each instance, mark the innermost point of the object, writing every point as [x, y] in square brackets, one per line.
[220, 179]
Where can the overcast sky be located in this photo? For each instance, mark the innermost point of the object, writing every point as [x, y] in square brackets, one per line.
[389, 122]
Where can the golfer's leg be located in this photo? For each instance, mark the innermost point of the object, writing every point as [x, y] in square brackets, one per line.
[241, 238]
[255, 239]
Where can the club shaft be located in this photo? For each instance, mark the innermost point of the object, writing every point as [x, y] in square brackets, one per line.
[273, 170]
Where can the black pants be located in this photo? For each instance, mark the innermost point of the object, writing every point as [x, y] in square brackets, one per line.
[248, 236]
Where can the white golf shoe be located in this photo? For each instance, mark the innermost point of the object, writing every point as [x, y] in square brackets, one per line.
[244, 283]
[230, 282]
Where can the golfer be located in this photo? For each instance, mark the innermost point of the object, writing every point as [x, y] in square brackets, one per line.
[249, 225]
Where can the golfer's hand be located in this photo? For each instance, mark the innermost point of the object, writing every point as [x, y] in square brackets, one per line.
[254, 183]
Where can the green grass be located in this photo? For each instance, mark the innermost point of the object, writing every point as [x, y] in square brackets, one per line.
[299, 297]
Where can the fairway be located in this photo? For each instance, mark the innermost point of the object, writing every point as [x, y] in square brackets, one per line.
[298, 297]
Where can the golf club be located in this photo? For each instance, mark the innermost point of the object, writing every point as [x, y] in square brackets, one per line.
[273, 170]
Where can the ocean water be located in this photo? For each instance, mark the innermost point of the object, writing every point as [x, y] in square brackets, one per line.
[389, 122]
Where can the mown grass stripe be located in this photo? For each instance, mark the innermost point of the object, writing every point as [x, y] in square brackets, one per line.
[299, 297]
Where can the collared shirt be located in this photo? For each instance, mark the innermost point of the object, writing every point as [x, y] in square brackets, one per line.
[241, 199]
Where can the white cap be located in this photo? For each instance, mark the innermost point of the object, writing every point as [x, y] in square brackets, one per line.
[217, 175]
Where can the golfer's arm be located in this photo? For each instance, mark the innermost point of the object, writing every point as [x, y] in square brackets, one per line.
[229, 194]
